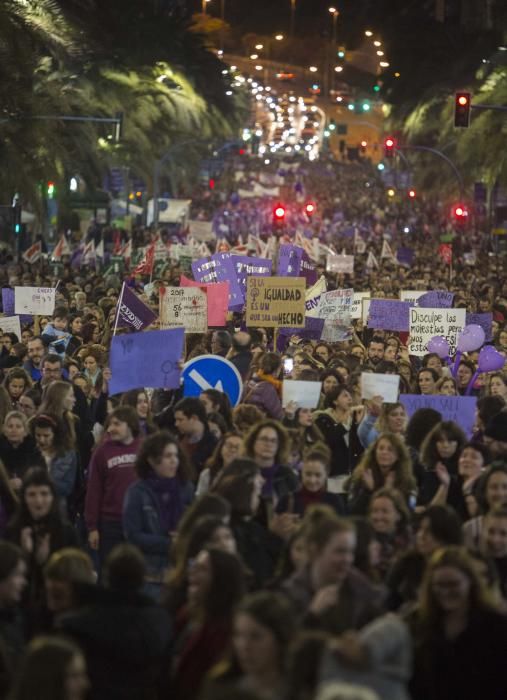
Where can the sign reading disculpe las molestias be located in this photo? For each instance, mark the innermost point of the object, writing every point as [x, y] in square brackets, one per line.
[426, 323]
[275, 302]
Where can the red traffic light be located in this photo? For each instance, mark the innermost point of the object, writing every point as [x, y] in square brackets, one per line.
[411, 194]
[241, 151]
[279, 212]
[462, 108]
[211, 183]
[389, 143]
[389, 146]
[460, 212]
[310, 208]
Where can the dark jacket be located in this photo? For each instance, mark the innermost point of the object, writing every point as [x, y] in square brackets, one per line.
[242, 361]
[264, 396]
[258, 548]
[358, 603]
[142, 523]
[17, 460]
[200, 452]
[295, 503]
[343, 457]
[126, 641]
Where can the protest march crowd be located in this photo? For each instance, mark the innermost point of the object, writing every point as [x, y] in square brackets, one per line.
[199, 501]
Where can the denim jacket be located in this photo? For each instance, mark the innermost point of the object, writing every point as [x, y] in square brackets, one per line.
[142, 525]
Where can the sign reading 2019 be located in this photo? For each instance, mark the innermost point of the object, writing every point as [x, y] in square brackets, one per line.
[275, 302]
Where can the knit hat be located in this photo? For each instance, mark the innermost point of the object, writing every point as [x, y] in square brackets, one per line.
[497, 427]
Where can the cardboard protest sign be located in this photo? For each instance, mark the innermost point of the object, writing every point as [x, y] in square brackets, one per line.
[201, 230]
[246, 266]
[460, 409]
[340, 264]
[389, 314]
[305, 394]
[425, 323]
[357, 304]
[11, 324]
[186, 308]
[275, 301]
[335, 309]
[312, 297]
[385, 385]
[34, 300]
[485, 321]
[149, 359]
[218, 299]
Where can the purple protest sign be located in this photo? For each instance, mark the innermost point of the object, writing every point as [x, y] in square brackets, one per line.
[312, 331]
[459, 409]
[308, 269]
[246, 266]
[220, 268]
[405, 256]
[485, 321]
[289, 260]
[132, 312]
[436, 299]
[8, 305]
[389, 315]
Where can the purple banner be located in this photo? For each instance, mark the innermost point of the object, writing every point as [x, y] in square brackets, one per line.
[389, 315]
[485, 321]
[308, 269]
[8, 306]
[132, 312]
[405, 256]
[247, 266]
[437, 299]
[460, 409]
[289, 260]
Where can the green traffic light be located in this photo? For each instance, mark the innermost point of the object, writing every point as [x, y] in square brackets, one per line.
[17, 228]
[341, 54]
[366, 107]
[376, 88]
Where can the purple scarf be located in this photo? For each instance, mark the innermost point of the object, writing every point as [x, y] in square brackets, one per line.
[168, 495]
[268, 474]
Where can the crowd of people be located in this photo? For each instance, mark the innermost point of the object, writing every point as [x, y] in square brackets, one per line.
[155, 545]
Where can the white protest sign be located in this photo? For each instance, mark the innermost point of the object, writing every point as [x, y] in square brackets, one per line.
[385, 385]
[305, 394]
[185, 307]
[356, 311]
[411, 295]
[425, 323]
[365, 309]
[335, 308]
[34, 300]
[11, 324]
[312, 297]
[202, 231]
[340, 264]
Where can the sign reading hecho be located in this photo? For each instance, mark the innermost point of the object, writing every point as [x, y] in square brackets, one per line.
[273, 302]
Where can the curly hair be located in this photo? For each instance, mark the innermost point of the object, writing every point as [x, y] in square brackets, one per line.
[404, 478]
[282, 453]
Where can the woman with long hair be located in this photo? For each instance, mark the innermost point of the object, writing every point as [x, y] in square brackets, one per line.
[386, 462]
[203, 625]
[59, 453]
[497, 385]
[390, 518]
[59, 400]
[491, 493]
[331, 379]
[18, 450]
[230, 447]
[440, 452]
[51, 669]
[138, 399]
[217, 402]
[382, 418]
[16, 383]
[153, 506]
[459, 636]
[263, 629]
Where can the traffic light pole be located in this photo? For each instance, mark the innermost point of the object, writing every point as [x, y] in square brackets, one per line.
[438, 153]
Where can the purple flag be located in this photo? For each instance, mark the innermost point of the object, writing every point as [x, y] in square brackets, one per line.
[247, 266]
[389, 314]
[485, 321]
[405, 256]
[132, 312]
[289, 260]
[308, 269]
[8, 306]
[436, 299]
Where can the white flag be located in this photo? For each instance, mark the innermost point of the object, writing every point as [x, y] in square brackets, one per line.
[371, 261]
[386, 251]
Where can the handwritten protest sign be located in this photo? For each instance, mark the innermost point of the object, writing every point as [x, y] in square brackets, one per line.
[149, 359]
[305, 394]
[312, 297]
[275, 301]
[218, 299]
[220, 268]
[201, 230]
[485, 321]
[357, 304]
[365, 309]
[389, 314]
[411, 295]
[460, 409]
[246, 266]
[335, 309]
[385, 385]
[340, 264]
[184, 307]
[436, 299]
[425, 323]
[289, 260]
[11, 324]
[34, 300]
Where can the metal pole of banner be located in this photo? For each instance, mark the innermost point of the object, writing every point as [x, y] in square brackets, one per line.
[118, 310]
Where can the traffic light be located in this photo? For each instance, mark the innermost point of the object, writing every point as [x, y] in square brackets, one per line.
[341, 52]
[310, 209]
[16, 218]
[211, 183]
[362, 147]
[462, 108]
[332, 125]
[389, 147]
[50, 190]
[412, 193]
[278, 216]
[460, 214]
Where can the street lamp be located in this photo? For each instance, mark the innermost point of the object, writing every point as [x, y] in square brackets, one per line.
[368, 32]
[254, 56]
[313, 69]
[204, 3]
[377, 43]
[259, 47]
[279, 37]
[338, 69]
[334, 12]
[292, 16]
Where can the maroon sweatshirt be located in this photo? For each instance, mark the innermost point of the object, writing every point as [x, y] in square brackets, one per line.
[110, 474]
